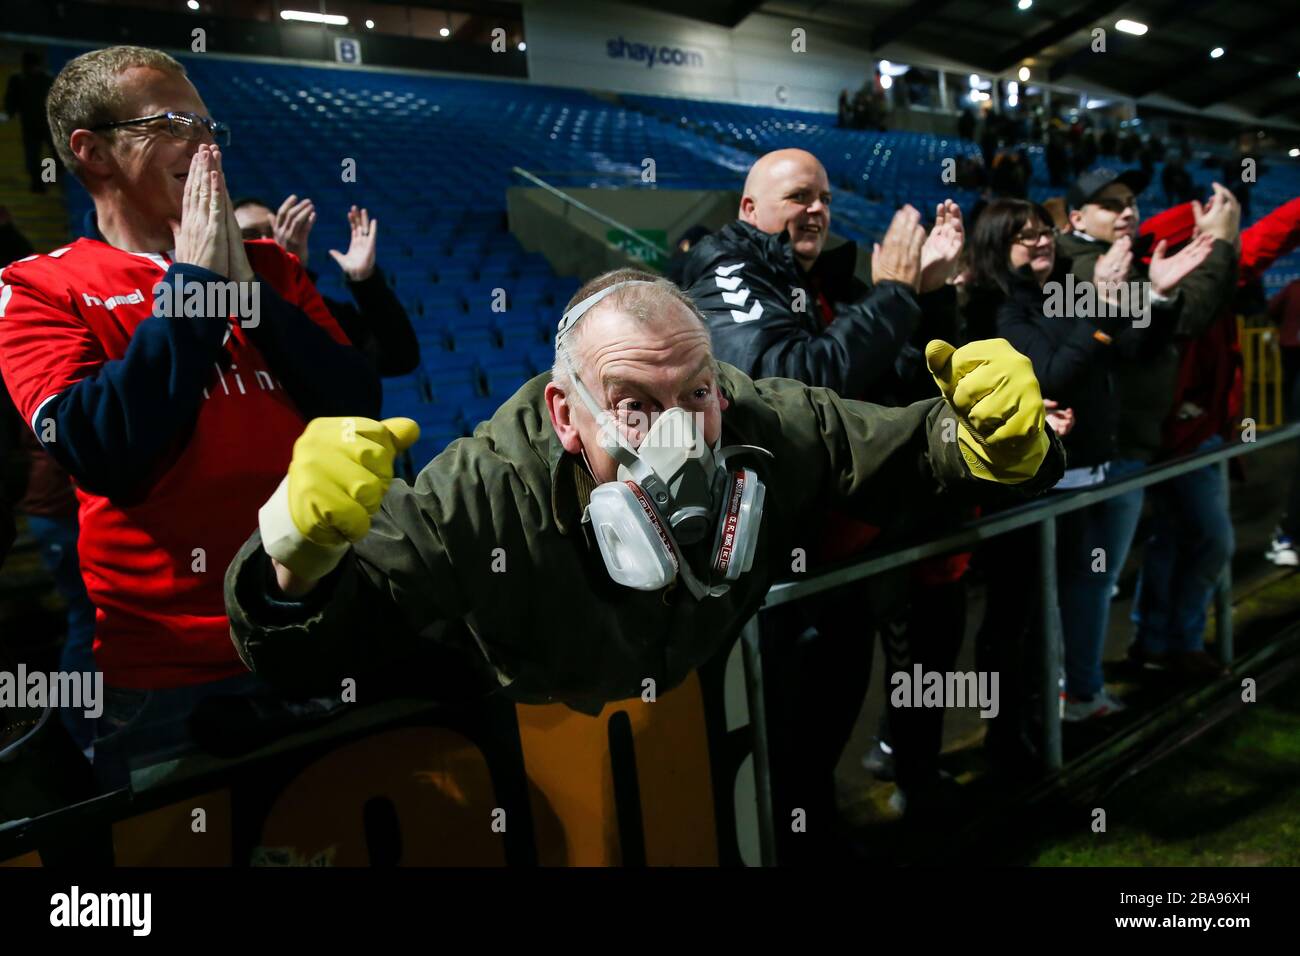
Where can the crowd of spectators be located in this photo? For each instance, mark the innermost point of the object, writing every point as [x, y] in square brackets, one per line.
[865, 109]
[1128, 385]
[148, 444]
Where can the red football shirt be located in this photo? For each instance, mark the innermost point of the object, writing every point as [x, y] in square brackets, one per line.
[154, 570]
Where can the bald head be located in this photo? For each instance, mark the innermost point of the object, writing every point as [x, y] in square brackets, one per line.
[788, 191]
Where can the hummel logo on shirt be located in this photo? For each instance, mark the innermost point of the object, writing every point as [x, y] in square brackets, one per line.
[730, 283]
[133, 298]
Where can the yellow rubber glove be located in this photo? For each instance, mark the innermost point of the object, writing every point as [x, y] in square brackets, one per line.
[338, 477]
[999, 408]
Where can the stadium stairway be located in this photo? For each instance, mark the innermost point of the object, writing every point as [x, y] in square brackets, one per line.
[38, 216]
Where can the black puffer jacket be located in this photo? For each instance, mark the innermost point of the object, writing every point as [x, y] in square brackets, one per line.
[1076, 367]
[764, 318]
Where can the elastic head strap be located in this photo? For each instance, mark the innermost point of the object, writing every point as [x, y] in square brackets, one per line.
[618, 448]
[699, 589]
[570, 318]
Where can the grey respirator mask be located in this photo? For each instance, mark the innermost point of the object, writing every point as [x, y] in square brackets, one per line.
[673, 491]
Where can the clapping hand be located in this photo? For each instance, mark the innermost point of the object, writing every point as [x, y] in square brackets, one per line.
[942, 248]
[358, 263]
[292, 225]
[897, 257]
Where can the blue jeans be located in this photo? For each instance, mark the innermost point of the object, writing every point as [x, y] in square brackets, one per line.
[57, 538]
[1192, 539]
[1097, 537]
[143, 727]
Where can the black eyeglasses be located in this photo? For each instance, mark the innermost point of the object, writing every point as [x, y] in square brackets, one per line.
[1031, 237]
[187, 126]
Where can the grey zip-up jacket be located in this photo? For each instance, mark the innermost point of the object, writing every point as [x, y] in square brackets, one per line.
[487, 556]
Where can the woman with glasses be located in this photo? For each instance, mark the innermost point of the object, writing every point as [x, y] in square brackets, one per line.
[1013, 251]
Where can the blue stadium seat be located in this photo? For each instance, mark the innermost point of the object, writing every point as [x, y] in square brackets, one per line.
[479, 410]
[541, 358]
[474, 339]
[521, 328]
[504, 378]
[441, 253]
[448, 382]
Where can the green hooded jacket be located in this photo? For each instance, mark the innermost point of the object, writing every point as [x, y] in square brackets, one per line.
[487, 557]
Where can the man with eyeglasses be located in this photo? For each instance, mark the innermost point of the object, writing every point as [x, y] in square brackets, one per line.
[175, 423]
[1188, 291]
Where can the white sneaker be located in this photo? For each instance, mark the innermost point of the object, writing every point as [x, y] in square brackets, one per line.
[1282, 551]
[1101, 705]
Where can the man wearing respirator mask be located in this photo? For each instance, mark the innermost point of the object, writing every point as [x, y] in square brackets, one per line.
[616, 521]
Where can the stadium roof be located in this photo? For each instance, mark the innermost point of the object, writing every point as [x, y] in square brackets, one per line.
[1169, 65]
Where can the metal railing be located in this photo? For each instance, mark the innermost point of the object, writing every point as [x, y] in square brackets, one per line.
[199, 770]
[633, 178]
[968, 536]
[657, 252]
[724, 181]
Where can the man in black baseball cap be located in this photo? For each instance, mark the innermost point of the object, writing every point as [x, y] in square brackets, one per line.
[1103, 245]
[1186, 293]
[1103, 203]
